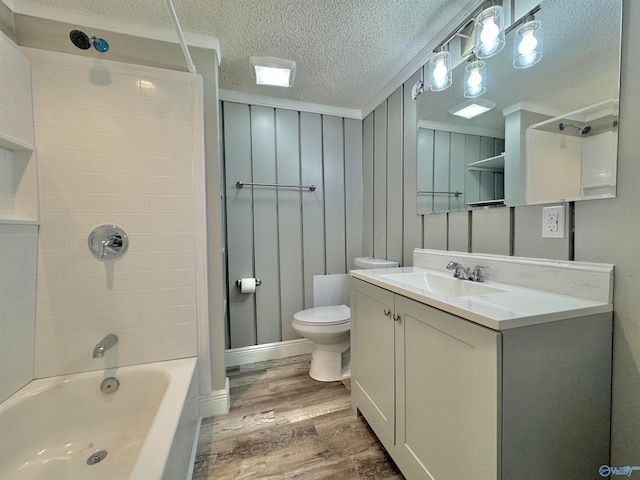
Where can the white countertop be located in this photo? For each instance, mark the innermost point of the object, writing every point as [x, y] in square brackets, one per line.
[513, 307]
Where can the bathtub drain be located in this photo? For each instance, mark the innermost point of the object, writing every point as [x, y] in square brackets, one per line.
[109, 385]
[96, 457]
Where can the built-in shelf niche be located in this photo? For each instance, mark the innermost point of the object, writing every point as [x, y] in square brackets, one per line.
[18, 182]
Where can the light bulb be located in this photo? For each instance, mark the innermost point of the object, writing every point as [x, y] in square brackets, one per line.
[528, 43]
[490, 30]
[475, 79]
[440, 73]
[489, 34]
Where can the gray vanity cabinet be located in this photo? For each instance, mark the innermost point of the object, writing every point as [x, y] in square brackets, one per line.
[452, 400]
[426, 382]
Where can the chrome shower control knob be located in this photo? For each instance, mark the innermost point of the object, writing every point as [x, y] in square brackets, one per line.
[108, 242]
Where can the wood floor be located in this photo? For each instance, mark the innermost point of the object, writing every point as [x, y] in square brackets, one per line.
[285, 425]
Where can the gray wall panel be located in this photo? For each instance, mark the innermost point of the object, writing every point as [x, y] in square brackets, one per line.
[380, 181]
[491, 231]
[312, 202]
[237, 140]
[289, 219]
[265, 224]
[459, 231]
[528, 241]
[367, 185]
[441, 157]
[353, 187]
[457, 171]
[435, 231]
[334, 207]
[394, 177]
[412, 231]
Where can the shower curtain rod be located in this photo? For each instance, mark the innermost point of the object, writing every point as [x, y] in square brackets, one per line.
[183, 43]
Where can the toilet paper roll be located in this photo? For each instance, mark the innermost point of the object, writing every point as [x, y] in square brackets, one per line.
[247, 285]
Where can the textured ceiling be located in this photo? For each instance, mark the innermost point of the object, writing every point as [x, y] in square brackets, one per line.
[346, 51]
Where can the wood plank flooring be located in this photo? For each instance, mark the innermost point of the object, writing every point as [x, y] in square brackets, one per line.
[285, 425]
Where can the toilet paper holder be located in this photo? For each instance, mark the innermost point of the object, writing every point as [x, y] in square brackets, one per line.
[239, 282]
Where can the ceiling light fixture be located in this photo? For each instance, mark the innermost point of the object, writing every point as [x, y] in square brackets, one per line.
[472, 108]
[273, 71]
[489, 32]
[527, 47]
[440, 71]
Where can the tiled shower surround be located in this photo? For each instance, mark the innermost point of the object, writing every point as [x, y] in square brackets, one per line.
[117, 144]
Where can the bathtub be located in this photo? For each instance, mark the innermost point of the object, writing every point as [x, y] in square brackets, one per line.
[51, 428]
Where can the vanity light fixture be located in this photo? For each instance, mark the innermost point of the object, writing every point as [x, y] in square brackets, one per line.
[273, 71]
[440, 71]
[489, 32]
[527, 47]
[475, 78]
[472, 108]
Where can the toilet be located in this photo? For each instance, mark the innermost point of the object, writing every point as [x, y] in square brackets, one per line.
[328, 324]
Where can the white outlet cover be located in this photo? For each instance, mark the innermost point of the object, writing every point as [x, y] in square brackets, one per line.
[553, 221]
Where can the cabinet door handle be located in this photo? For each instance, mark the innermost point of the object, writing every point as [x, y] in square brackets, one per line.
[387, 312]
[396, 317]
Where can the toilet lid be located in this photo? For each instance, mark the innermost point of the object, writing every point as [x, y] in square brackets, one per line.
[333, 315]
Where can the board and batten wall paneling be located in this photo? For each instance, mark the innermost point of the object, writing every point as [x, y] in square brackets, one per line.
[287, 235]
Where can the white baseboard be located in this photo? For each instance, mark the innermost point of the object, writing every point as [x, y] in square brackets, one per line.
[216, 402]
[269, 351]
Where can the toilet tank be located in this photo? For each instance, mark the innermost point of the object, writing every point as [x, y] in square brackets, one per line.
[372, 262]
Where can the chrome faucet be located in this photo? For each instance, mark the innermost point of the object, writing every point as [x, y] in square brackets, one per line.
[459, 271]
[464, 273]
[105, 344]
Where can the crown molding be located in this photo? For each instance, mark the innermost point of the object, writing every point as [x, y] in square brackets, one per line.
[265, 101]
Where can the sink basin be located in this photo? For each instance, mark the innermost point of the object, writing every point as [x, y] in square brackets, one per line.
[441, 285]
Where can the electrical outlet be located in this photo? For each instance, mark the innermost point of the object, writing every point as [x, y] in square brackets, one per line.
[553, 222]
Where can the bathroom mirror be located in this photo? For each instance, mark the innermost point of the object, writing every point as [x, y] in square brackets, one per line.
[552, 134]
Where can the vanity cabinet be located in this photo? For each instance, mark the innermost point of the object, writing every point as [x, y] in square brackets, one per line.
[453, 400]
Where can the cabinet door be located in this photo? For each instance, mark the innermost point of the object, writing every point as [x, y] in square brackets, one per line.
[373, 358]
[448, 400]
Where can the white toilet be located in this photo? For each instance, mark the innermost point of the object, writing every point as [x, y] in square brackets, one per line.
[328, 324]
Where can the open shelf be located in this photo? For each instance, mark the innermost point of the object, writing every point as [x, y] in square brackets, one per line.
[492, 164]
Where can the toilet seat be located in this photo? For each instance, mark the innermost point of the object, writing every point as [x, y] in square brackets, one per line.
[331, 315]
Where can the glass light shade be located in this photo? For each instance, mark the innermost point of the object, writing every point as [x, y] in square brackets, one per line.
[440, 71]
[475, 77]
[489, 32]
[527, 47]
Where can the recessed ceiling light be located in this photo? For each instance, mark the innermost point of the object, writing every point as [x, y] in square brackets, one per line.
[472, 108]
[273, 71]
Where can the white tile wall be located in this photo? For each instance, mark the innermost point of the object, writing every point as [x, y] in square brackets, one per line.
[115, 145]
[18, 246]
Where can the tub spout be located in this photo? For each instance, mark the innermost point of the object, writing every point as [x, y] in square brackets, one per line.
[105, 344]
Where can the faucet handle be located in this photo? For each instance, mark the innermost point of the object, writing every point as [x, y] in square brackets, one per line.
[451, 265]
[477, 275]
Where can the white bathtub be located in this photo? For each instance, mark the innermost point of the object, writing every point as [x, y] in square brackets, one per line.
[148, 426]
